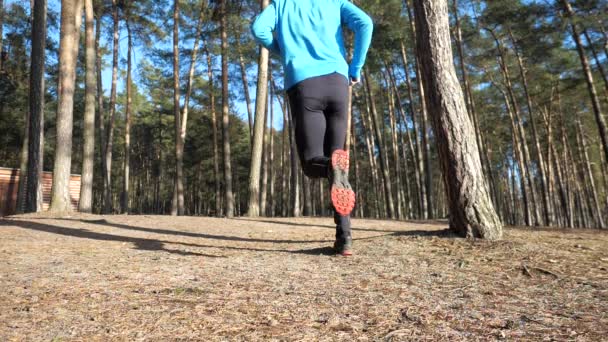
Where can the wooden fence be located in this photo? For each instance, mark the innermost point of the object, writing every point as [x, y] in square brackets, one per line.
[9, 184]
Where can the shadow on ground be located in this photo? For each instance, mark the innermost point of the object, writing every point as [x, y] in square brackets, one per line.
[150, 244]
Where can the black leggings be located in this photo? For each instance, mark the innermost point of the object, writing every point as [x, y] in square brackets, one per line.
[319, 108]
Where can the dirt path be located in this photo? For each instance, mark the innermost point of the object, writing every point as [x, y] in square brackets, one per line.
[87, 277]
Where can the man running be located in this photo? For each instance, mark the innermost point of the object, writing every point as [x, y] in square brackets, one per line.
[307, 35]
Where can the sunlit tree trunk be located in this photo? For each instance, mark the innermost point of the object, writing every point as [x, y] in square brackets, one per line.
[258, 131]
[471, 211]
[533, 205]
[418, 160]
[388, 196]
[212, 113]
[71, 18]
[101, 117]
[229, 208]
[88, 154]
[108, 205]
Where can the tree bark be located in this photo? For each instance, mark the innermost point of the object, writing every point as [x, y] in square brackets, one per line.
[229, 209]
[33, 191]
[108, 205]
[258, 131]
[468, 96]
[471, 211]
[88, 153]
[71, 16]
[264, 182]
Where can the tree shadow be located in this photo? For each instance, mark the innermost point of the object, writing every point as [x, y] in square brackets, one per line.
[105, 222]
[139, 243]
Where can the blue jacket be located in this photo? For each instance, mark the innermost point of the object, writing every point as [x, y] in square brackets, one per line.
[308, 37]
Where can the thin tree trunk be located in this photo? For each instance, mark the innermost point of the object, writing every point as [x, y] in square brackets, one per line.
[471, 210]
[424, 119]
[598, 63]
[264, 181]
[595, 102]
[258, 131]
[418, 160]
[591, 189]
[108, 205]
[548, 219]
[125, 205]
[177, 204]
[33, 197]
[409, 144]
[390, 209]
[88, 153]
[229, 209]
[395, 149]
[271, 150]
[23, 159]
[520, 129]
[294, 179]
[216, 167]
[246, 91]
[101, 119]
[71, 17]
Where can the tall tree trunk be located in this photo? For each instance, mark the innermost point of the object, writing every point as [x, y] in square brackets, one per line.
[520, 128]
[591, 189]
[424, 119]
[388, 195]
[595, 102]
[71, 17]
[598, 63]
[409, 144]
[127, 161]
[177, 205]
[101, 119]
[294, 179]
[371, 147]
[418, 160]
[108, 205]
[246, 91]
[548, 219]
[395, 148]
[229, 209]
[88, 153]
[23, 158]
[271, 150]
[212, 113]
[471, 210]
[33, 191]
[258, 131]
[264, 182]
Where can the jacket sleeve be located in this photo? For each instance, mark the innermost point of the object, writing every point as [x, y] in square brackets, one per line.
[362, 26]
[263, 26]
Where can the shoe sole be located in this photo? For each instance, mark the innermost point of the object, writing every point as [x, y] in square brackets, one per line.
[342, 194]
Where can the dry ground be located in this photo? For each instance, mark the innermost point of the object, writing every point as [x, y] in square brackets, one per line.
[159, 278]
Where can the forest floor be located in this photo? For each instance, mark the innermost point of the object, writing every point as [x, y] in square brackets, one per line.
[160, 278]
